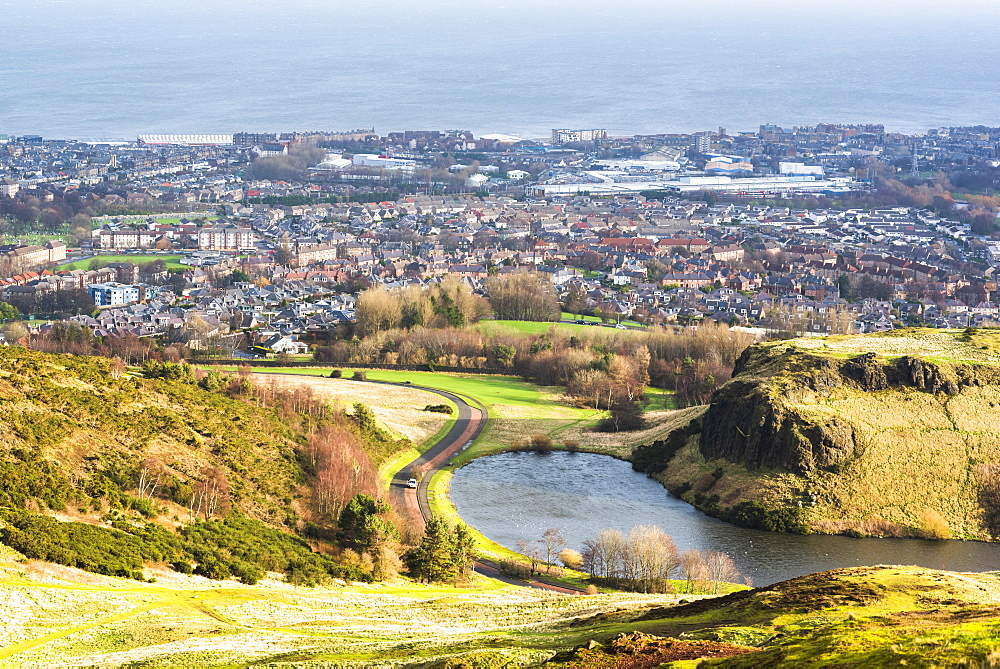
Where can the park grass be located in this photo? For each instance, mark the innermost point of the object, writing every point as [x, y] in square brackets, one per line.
[492, 327]
[104, 260]
[566, 316]
[528, 327]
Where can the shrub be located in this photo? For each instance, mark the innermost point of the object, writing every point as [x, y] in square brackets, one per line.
[571, 445]
[591, 589]
[439, 408]
[246, 572]
[360, 375]
[756, 516]
[933, 525]
[514, 569]
[571, 558]
[541, 442]
[144, 506]
[336, 373]
[182, 566]
[211, 567]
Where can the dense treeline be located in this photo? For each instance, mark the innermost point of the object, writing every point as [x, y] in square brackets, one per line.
[452, 304]
[523, 296]
[599, 368]
[449, 303]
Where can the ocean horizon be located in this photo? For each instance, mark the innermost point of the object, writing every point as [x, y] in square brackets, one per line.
[110, 69]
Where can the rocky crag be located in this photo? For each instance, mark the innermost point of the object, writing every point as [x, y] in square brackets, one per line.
[822, 435]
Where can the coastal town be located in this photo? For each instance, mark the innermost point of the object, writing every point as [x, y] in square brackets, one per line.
[258, 243]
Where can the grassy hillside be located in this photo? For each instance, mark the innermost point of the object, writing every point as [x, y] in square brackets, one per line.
[894, 434]
[145, 469]
[864, 617]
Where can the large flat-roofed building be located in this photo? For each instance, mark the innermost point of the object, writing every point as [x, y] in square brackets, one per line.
[127, 239]
[113, 294]
[22, 257]
[800, 169]
[226, 238]
[603, 183]
[385, 162]
[187, 140]
[564, 135]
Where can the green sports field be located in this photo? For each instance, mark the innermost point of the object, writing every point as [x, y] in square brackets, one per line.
[105, 260]
[537, 327]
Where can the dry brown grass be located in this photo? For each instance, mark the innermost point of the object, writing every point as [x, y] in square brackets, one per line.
[933, 525]
[397, 408]
[925, 342]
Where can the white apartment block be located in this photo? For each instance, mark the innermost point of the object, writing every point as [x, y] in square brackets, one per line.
[226, 238]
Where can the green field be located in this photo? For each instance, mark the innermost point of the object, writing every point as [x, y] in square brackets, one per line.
[539, 327]
[104, 260]
[488, 389]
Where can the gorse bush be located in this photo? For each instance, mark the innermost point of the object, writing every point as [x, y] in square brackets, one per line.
[238, 546]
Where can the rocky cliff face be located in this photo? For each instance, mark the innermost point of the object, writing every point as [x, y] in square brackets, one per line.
[770, 415]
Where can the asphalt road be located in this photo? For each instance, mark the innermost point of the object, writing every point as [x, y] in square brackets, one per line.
[468, 425]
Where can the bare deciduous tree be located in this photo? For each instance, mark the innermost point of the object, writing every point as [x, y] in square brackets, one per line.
[552, 542]
[720, 569]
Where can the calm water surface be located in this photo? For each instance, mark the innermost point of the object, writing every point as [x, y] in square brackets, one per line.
[514, 496]
[117, 68]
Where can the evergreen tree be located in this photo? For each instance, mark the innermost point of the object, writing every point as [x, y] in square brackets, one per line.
[365, 417]
[433, 560]
[363, 525]
[445, 554]
[463, 550]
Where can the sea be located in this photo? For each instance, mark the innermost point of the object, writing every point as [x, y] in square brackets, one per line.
[113, 69]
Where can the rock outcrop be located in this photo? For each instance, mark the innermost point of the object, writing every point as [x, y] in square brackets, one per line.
[768, 417]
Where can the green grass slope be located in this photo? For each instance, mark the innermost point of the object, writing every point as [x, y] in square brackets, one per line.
[895, 434]
[863, 617]
[871, 616]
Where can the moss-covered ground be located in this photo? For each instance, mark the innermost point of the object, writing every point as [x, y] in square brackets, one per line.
[980, 345]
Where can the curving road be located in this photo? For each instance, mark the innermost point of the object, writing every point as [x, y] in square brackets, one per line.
[468, 425]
